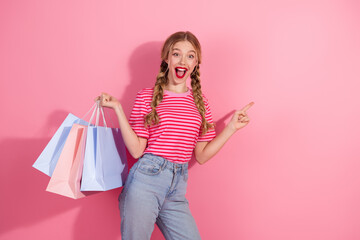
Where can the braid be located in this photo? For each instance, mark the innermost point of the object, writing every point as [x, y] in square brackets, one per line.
[161, 80]
[199, 101]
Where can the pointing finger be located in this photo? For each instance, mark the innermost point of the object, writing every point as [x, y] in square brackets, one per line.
[247, 106]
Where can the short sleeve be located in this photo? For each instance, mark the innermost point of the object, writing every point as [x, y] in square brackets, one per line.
[136, 121]
[210, 134]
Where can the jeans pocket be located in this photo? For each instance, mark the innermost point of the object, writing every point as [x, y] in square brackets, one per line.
[149, 167]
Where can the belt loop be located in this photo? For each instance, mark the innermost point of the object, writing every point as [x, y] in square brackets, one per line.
[163, 165]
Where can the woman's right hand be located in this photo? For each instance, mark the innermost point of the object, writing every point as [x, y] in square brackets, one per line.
[106, 100]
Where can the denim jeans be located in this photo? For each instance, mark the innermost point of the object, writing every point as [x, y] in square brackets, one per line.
[154, 192]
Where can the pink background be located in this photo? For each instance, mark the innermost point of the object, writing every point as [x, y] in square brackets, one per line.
[292, 173]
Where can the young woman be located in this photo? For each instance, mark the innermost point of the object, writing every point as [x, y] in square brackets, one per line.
[168, 122]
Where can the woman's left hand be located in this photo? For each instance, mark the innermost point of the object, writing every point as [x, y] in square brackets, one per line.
[240, 118]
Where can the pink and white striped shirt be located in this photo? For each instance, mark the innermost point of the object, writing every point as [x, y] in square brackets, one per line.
[178, 131]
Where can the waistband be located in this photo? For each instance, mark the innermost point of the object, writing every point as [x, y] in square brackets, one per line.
[164, 163]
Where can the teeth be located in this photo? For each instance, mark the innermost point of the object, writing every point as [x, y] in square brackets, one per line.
[183, 70]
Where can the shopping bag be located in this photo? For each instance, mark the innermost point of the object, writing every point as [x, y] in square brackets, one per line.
[105, 164]
[66, 176]
[47, 160]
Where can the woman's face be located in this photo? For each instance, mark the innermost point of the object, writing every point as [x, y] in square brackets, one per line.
[182, 60]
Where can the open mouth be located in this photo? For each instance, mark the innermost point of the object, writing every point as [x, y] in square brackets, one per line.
[180, 72]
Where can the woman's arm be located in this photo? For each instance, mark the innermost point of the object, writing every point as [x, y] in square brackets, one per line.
[135, 145]
[206, 150]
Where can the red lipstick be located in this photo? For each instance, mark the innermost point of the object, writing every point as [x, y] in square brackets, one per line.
[180, 72]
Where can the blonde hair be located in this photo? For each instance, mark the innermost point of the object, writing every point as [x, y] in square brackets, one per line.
[162, 80]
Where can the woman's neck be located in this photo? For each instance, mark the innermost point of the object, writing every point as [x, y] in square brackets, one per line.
[177, 88]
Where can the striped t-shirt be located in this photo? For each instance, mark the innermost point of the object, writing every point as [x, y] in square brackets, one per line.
[175, 137]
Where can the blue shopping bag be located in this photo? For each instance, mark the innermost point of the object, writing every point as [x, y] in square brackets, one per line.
[105, 164]
[49, 157]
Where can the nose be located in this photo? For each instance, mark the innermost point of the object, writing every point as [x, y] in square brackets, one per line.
[182, 60]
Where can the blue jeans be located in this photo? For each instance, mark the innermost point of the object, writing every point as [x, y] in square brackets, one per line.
[154, 192]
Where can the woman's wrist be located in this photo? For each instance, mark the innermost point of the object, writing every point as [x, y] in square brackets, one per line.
[117, 107]
[231, 128]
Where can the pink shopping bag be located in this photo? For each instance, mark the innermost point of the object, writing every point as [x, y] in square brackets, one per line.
[66, 177]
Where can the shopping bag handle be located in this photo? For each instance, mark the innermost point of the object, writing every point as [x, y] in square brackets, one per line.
[102, 114]
[83, 118]
[98, 110]
[104, 117]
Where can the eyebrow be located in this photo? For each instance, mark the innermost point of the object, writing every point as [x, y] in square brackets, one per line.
[180, 50]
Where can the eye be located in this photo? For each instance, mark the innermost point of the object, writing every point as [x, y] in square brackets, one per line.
[191, 56]
[175, 54]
